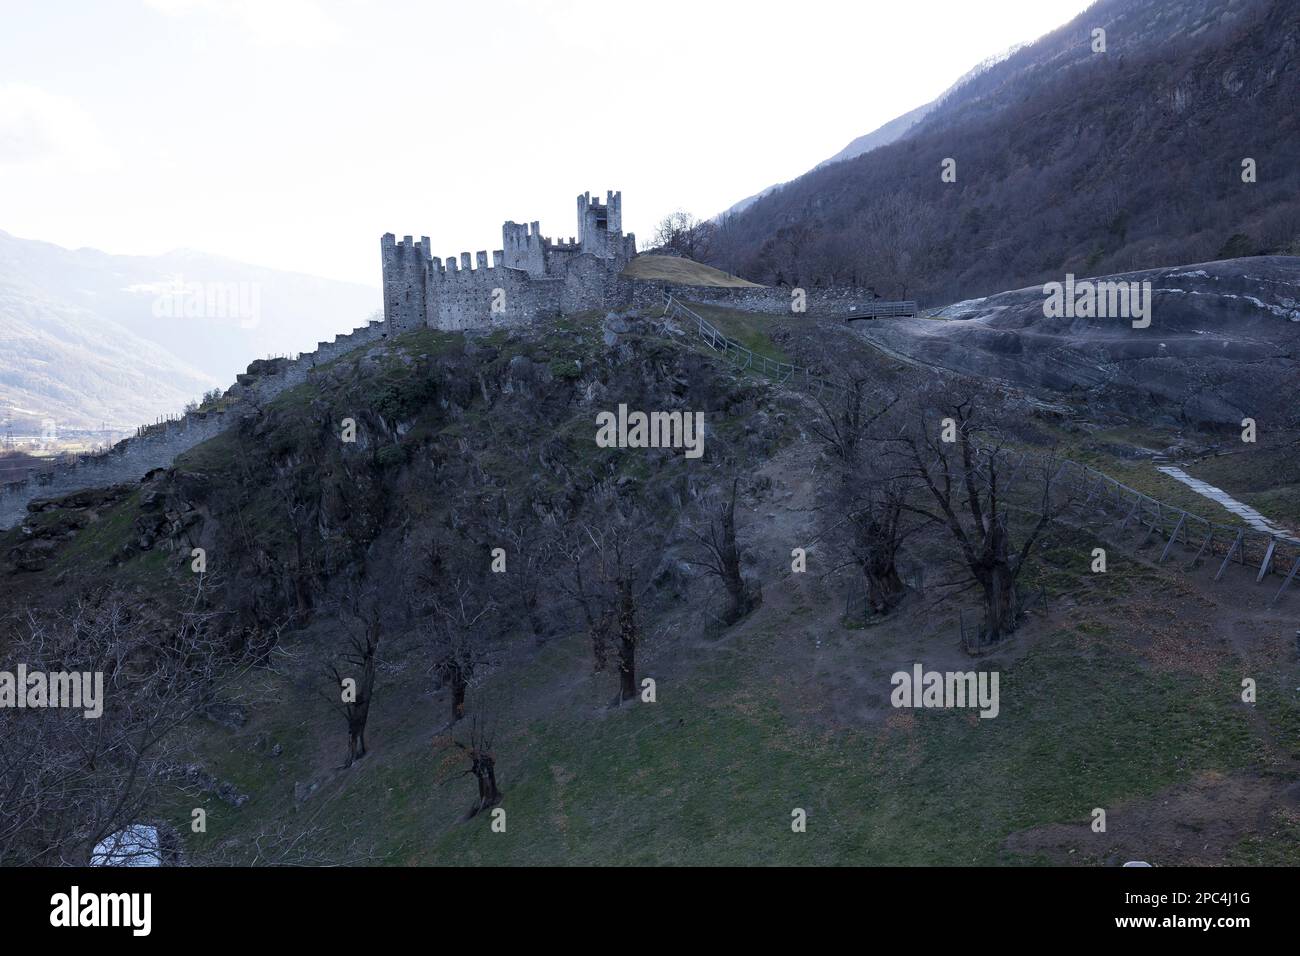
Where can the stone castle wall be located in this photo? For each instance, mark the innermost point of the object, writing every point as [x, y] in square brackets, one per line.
[769, 300]
[129, 460]
[465, 292]
[132, 458]
[531, 277]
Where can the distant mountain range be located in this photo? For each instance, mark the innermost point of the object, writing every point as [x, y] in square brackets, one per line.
[1174, 144]
[89, 337]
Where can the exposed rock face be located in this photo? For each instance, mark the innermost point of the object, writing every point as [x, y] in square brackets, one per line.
[51, 522]
[1223, 343]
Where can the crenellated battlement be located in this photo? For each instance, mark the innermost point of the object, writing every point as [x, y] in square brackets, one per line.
[157, 445]
[454, 271]
[530, 275]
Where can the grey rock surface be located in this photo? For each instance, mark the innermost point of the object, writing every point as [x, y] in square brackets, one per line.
[1223, 342]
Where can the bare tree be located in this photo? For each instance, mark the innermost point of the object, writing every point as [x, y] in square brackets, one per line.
[866, 508]
[612, 557]
[482, 766]
[968, 482]
[681, 233]
[877, 526]
[459, 651]
[844, 421]
[786, 252]
[530, 548]
[715, 536]
[357, 691]
[69, 782]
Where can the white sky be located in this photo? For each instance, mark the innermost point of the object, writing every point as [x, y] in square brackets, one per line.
[293, 133]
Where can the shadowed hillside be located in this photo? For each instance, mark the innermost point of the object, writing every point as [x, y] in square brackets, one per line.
[466, 443]
[1066, 161]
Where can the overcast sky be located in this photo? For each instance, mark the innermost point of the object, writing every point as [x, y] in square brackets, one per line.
[293, 133]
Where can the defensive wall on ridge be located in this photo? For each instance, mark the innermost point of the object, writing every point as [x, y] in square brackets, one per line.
[531, 277]
[158, 445]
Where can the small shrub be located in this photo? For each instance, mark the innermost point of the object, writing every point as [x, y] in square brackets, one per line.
[391, 456]
[567, 369]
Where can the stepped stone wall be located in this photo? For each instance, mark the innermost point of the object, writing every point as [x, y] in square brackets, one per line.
[157, 447]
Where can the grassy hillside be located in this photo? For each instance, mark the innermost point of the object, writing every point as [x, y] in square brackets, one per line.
[683, 272]
[788, 711]
[1120, 691]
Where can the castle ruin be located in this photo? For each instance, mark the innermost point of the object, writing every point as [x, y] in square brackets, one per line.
[531, 276]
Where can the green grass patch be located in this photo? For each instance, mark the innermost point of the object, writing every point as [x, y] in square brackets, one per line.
[752, 330]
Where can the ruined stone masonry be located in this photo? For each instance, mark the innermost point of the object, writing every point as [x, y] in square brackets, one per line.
[531, 277]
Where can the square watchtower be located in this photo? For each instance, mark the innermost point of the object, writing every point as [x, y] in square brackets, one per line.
[600, 225]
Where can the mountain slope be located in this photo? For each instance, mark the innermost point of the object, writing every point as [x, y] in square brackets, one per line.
[1066, 160]
[97, 337]
[69, 365]
[900, 126]
[889, 132]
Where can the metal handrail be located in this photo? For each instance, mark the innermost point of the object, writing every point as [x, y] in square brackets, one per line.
[1154, 514]
[783, 372]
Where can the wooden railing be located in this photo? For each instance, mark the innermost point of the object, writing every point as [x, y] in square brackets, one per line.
[883, 309]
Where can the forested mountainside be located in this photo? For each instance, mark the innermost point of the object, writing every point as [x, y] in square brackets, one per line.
[1066, 160]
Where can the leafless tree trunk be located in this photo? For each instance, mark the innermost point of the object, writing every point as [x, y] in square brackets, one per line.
[721, 554]
[629, 635]
[459, 650]
[876, 534]
[482, 766]
[612, 558]
[967, 476]
[357, 692]
[530, 549]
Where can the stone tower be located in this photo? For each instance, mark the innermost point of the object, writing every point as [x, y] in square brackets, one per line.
[600, 225]
[406, 281]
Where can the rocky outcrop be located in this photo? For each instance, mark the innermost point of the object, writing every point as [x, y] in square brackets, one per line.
[1223, 343]
[52, 522]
